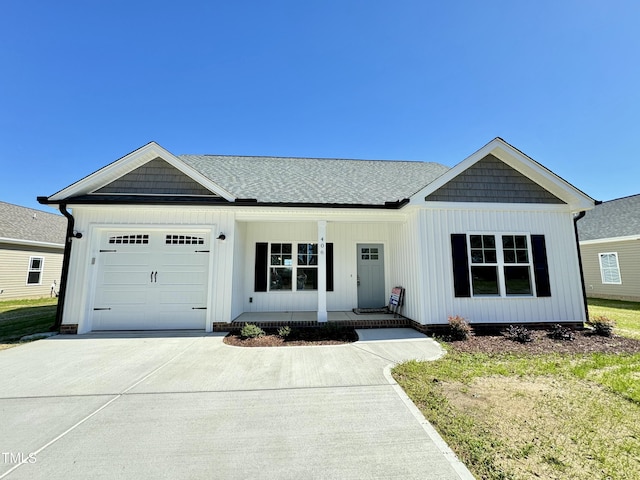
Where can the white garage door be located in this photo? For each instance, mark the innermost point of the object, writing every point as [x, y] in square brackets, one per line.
[151, 280]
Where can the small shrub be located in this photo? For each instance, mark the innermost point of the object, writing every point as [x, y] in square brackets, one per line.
[251, 331]
[519, 333]
[602, 325]
[459, 328]
[558, 332]
[284, 331]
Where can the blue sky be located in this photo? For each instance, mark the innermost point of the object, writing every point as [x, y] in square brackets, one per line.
[83, 83]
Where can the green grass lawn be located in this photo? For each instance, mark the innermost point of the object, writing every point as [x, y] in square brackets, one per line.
[526, 416]
[625, 314]
[25, 317]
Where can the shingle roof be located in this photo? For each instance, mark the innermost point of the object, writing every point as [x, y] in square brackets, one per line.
[313, 180]
[615, 218]
[21, 223]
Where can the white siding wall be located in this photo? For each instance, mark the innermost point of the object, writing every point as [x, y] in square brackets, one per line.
[405, 262]
[565, 303]
[239, 265]
[89, 221]
[417, 256]
[344, 236]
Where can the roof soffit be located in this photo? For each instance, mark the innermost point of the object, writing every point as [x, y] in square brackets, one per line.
[129, 163]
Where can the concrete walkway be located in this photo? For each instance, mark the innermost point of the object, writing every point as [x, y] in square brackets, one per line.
[185, 405]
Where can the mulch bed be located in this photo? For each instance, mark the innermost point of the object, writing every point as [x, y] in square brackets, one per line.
[298, 337]
[584, 342]
[490, 342]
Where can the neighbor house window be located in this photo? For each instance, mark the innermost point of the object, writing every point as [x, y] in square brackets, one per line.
[34, 276]
[499, 265]
[290, 267]
[610, 268]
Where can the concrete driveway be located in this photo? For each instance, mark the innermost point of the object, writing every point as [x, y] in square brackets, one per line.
[185, 405]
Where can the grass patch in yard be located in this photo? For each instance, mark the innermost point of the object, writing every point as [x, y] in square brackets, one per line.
[25, 317]
[533, 416]
[625, 314]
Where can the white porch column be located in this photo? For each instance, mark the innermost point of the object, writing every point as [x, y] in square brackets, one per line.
[322, 271]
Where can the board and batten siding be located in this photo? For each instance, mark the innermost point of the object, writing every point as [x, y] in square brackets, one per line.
[629, 262]
[14, 266]
[437, 225]
[405, 262]
[92, 221]
[344, 236]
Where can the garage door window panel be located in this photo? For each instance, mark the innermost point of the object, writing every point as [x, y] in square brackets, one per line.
[133, 239]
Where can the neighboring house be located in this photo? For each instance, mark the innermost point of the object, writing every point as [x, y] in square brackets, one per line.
[194, 241]
[610, 249]
[31, 251]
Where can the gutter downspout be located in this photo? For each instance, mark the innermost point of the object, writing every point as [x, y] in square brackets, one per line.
[575, 229]
[65, 266]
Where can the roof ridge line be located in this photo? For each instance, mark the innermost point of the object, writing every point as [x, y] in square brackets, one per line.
[308, 158]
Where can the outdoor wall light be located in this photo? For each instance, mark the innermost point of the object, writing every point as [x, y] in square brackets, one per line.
[221, 237]
[76, 234]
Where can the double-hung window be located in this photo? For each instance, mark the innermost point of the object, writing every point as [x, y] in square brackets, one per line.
[280, 266]
[307, 269]
[500, 265]
[290, 267]
[516, 265]
[610, 268]
[34, 275]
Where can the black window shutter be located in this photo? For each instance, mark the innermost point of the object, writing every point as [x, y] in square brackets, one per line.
[540, 265]
[461, 285]
[329, 267]
[260, 274]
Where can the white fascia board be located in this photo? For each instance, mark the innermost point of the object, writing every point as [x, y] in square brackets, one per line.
[577, 200]
[287, 214]
[130, 162]
[505, 207]
[610, 240]
[31, 243]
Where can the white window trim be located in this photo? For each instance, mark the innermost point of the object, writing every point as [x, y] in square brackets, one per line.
[617, 268]
[294, 266]
[502, 285]
[40, 271]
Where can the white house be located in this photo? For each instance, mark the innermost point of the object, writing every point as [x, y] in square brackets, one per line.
[194, 241]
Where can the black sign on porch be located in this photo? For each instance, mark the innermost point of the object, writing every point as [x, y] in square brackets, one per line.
[396, 300]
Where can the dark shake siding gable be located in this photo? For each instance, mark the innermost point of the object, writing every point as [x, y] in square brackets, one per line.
[156, 177]
[491, 180]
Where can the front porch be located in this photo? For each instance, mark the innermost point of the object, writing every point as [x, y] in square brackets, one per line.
[309, 319]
